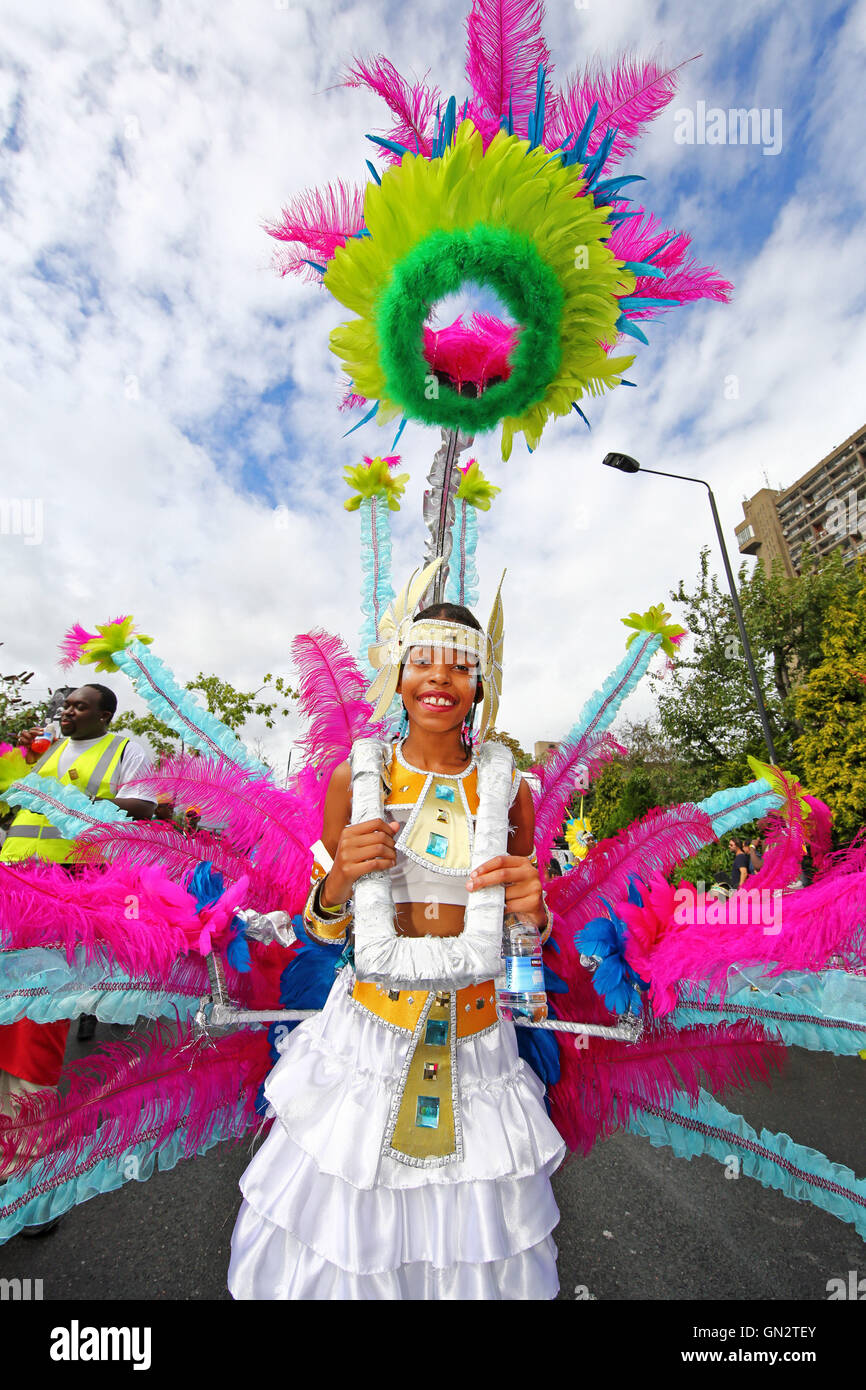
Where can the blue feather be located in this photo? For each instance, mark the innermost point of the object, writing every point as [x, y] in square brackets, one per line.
[575, 406]
[367, 417]
[586, 130]
[631, 329]
[391, 145]
[373, 170]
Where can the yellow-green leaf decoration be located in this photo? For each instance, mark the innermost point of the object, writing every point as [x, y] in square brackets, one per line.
[373, 478]
[475, 489]
[784, 784]
[655, 620]
[509, 218]
[114, 637]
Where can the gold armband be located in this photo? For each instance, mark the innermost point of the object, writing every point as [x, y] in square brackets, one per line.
[548, 926]
[325, 923]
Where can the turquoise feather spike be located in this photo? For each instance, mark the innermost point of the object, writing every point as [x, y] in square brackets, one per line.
[42, 985]
[179, 709]
[774, 1159]
[738, 805]
[601, 708]
[38, 1196]
[377, 590]
[824, 1013]
[64, 805]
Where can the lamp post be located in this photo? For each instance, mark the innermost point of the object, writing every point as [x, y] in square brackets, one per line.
[626, 464]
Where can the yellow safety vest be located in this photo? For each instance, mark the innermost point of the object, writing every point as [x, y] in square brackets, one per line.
[31, 835]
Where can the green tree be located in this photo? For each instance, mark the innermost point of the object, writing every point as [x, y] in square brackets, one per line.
[522, 760]
[706, 704]
[232, 707]
[18, 708]
[831, 707]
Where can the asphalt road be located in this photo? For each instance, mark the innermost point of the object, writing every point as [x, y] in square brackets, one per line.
[636, 1222]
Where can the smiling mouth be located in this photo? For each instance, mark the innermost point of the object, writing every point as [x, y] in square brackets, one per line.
[437, 701]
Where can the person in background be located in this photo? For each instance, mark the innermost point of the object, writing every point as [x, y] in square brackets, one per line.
[89, 757]
[191, 820]
[741, 865]
[756, 858]
[164, 809]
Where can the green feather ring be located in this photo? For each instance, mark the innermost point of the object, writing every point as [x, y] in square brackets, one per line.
[509, 264]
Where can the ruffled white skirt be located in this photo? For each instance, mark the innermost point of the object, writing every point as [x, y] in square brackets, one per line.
[327, 1215]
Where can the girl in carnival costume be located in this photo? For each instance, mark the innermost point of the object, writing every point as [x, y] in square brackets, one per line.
[411, 1152]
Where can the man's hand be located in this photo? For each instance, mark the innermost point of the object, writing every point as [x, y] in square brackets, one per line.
[361, 850]
[523, 894]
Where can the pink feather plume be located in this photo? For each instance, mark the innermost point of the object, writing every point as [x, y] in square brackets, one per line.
[150, 1088]
[138, 843]
[318, 222]
[557, 774]
[629, 96]
[40, 905]
[477, 352]
[412, 103]
[506, 47]
[73, 641]
[701, 939]
[658, 841]
[257, 815]
[332, 691]
[820, 830]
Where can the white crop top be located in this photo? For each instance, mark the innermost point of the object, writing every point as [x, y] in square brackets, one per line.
[414, 879]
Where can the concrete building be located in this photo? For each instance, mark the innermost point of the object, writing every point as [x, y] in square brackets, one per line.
[825, 509]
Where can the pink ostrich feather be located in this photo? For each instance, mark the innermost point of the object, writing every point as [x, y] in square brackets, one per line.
[505, 48]
[475, 352]
[810, 927]
[258, 816]
[412, 103]
[629, 96]
[319, 221]
[70, 646]
[41, 905]
[153, 1087]
[332, 696]
[143, 843]
[660, 840]
[557, 784]
[350, 399]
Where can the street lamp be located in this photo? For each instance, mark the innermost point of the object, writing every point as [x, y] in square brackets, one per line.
[626, 464]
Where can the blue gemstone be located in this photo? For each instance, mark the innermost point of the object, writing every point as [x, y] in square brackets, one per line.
[437, 845]
[436, 1033]
[444, 792]
[427, 1114]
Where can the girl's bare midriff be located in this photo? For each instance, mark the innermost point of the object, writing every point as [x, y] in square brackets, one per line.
[418, 919]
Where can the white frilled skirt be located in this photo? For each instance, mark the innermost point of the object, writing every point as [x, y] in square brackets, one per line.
[326, 1215]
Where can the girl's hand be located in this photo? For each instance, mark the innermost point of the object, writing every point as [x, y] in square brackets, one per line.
[523, 894]
[361, 850]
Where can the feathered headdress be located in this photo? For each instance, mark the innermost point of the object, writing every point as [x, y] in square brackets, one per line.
[398, 631]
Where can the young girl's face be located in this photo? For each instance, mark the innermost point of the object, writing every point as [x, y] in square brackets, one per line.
[438, 686]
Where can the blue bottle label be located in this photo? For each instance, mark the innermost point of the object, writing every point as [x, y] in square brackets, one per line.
[524, 974]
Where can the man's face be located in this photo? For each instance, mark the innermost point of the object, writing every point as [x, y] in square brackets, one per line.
[82, 715]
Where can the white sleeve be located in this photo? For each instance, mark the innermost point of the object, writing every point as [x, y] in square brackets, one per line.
[134, 761]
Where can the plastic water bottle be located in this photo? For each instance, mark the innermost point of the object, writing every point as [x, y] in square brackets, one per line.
[521, 986]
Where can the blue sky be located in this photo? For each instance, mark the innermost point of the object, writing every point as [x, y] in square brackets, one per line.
[174, 402]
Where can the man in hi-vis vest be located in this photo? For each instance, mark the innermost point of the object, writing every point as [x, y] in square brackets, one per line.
[86, 756]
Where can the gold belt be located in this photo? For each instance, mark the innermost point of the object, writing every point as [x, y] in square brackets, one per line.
[424, 1125]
